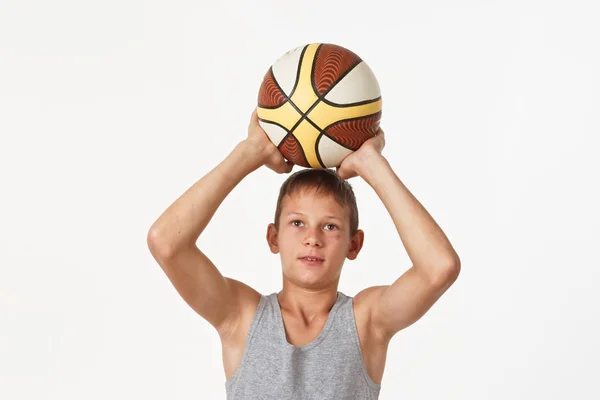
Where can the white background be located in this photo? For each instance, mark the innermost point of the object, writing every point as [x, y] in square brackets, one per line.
[109, 110]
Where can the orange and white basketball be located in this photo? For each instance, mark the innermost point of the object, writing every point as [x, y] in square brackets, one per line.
[318, 103]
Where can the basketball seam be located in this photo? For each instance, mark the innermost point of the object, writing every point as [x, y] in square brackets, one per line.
[334, 83]
[358, 103]
[350, 119]
[289, 98]
[304, 117]
[280, 90]
[340, 78]
[297, 109]
[299, 145]
[317, 141]
[323, 133]
[312, 107]
[312, 70]
[283, 140]
[298, 71]
[274, 123]
[317, 147]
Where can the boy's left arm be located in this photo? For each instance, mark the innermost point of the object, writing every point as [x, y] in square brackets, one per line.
[436, 264]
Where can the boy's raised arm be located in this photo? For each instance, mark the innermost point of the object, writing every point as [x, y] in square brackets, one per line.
[172, 238]
[436, 264]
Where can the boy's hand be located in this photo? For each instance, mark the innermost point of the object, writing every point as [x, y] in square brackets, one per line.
[263, 149]
[352, 165]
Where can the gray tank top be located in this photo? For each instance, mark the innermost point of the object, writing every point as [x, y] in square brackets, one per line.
[329, 367]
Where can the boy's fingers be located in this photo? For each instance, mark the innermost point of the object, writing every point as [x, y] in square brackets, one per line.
[253, 118]
[283, 167]
[289, 166]
[280, 169]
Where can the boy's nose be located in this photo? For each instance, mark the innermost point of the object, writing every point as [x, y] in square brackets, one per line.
[312, 239]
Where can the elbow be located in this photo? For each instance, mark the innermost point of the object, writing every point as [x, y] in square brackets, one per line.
[453, 270]
[447, 273]
[158, 247]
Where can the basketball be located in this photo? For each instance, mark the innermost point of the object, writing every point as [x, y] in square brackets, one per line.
[318, 103]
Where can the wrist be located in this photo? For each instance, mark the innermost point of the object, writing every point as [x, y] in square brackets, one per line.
[369, 163]
[253, 154]
[246, 156]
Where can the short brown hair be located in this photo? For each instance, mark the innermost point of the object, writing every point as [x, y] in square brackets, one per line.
[322, 181]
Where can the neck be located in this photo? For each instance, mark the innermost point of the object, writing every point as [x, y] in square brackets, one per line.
[307, 304]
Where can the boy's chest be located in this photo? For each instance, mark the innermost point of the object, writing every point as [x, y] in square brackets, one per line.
[373, 350]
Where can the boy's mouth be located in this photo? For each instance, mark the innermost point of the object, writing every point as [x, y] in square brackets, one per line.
[310, 260]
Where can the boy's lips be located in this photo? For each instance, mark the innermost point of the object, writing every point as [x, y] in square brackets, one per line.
[311, 260]
[317, 258]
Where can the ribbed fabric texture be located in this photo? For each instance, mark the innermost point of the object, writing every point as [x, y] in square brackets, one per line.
[330, 367]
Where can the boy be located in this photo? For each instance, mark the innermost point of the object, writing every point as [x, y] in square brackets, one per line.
[309, 341]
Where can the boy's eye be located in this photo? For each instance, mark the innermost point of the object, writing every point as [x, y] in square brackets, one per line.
[328, 227]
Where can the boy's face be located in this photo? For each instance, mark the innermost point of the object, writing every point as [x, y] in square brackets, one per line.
[313, 238]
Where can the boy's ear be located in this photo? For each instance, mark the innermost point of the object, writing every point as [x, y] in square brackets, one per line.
[272, 238]
[356, 244]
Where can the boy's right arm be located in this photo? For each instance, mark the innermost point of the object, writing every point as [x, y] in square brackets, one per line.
[172, 238]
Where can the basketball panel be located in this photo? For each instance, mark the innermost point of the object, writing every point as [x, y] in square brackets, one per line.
[325, 114]
[285, 115]
[269, 94]
[285, 69]
[331, 63]
[275, 132]
[307, 136]
[354, 132]
[331, 153]
[358, 86]
[292, 151]
[304, 95]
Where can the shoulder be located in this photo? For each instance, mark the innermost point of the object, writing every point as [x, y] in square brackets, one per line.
[366, 298]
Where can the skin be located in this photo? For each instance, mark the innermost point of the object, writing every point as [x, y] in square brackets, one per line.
[308, 293]
[317, 225]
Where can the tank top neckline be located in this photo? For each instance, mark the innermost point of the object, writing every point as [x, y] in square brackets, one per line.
[321, 334]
